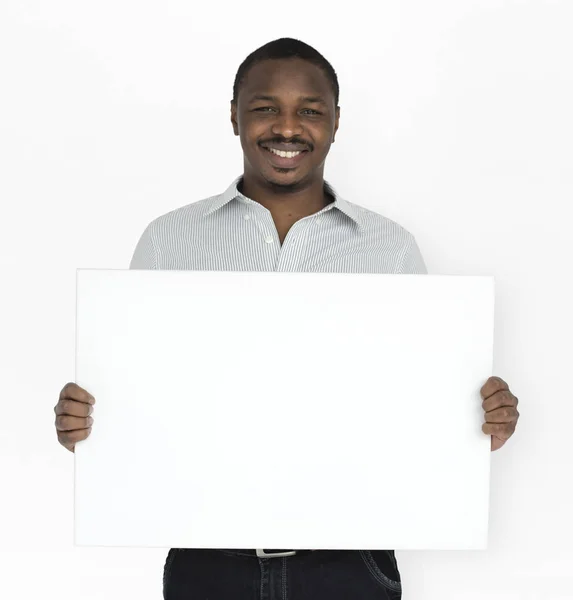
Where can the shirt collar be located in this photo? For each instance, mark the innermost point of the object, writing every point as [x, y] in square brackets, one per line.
[232, 192]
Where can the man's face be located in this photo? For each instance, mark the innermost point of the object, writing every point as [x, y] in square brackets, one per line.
[285, 105]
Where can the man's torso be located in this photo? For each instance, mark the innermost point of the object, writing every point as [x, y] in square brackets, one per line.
[229, 232]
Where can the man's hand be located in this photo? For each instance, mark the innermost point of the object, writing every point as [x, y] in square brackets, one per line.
[501, 414]
[73, 420]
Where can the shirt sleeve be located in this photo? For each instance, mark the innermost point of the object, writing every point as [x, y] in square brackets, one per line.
[144, 255]
[413, 263]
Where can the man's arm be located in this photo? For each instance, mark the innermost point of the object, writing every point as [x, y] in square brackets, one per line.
[145, 255]
[413, 262]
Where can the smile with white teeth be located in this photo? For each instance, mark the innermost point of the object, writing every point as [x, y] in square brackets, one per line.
[283, 154]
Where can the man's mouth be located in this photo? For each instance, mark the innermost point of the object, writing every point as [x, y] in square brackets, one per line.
[284, 154]
[282, 158]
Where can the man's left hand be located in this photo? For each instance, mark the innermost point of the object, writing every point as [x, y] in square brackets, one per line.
[501, 415]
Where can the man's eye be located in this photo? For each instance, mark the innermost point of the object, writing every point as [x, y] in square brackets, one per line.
[264, 108]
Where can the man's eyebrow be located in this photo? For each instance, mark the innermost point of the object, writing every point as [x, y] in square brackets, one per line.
[310, 99]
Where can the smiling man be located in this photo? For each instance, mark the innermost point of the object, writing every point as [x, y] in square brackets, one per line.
[281, 215]
[286, 114]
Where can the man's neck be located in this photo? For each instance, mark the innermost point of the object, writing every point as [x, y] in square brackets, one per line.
[287, 208]
[289, 205]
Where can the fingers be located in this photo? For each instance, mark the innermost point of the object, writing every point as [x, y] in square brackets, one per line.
[499, 399]
[70, 438]
[67, 423]
[502, 431]
[492, 386]
[73, 408]
[73, 391]
[73, 423]
[502, 415]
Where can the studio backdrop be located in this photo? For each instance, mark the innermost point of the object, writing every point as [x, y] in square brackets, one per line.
[455, 122]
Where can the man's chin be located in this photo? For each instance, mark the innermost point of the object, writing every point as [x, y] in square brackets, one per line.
[284, 178]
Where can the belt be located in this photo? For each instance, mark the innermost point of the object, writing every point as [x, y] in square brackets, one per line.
[278, 553]
[266, 553]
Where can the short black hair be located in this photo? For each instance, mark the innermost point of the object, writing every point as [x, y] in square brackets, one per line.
[286, 48]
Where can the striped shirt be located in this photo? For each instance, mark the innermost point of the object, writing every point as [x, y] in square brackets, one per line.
[230, 232]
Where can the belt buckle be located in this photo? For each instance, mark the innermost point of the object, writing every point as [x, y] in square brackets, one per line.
[263, 554]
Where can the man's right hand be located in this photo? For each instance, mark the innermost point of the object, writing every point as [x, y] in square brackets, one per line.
[73, 420]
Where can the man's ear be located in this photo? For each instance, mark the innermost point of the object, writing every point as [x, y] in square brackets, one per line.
[234, 118]
[336, 122]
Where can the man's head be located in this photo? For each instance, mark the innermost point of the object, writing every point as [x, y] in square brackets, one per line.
[285, 96]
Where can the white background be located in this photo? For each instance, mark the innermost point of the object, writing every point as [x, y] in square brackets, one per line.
[456, 122]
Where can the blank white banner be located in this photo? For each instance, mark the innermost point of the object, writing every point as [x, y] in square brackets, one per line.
[283, 410]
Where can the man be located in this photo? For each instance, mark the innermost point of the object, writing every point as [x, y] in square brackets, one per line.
[281, 216]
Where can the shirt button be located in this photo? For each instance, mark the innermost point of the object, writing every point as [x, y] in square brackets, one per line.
[318, 221]
[246, 217]
[269, 239]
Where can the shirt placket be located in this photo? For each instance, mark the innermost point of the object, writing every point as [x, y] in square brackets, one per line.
[268, 244]
[289, 256]
[296, 247]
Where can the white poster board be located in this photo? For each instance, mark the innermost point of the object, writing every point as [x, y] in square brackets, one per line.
[283, 410]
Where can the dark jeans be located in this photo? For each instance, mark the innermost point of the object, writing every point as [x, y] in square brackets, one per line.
[204, 574]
